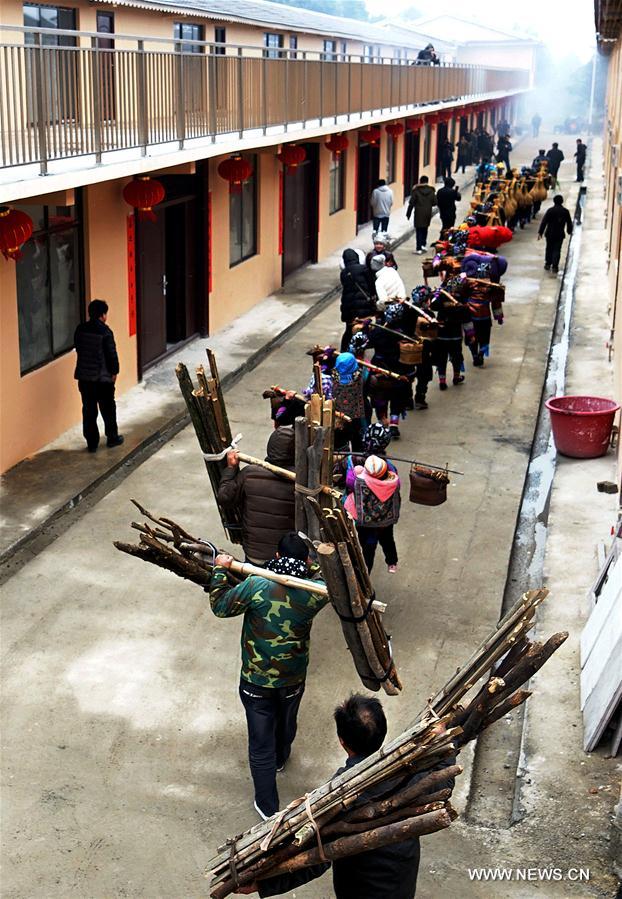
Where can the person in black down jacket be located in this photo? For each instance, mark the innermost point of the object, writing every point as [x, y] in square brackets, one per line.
[555, 223]
[356, 299]
[96, 371]
[446, 199]
[266, 499]
[386, 873]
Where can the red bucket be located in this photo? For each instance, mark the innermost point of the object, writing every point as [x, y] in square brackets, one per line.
[582, 424]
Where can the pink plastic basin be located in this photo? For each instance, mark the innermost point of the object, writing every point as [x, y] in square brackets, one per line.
[582, 424]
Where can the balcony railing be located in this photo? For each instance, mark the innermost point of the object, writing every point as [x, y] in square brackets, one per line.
[66, 94]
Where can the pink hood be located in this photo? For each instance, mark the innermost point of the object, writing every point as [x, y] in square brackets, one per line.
[384, 490]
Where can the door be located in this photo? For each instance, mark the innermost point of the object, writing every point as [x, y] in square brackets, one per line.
[368, 175]
[411, 162]
[181, 272]
[300, 213]
[441, 137]
[105, 25]
[151, 259]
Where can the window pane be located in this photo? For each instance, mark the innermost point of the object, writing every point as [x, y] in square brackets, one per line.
[32, 304]
[235, 228]
[65, 292]
[248, 218]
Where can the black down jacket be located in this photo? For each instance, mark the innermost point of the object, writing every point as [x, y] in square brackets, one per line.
[97, 352]
[265, 499]
[355, 294]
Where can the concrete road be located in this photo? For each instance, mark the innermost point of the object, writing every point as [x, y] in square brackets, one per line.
[124, 745]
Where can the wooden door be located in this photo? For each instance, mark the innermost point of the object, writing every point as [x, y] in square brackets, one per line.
[368, 174]
[300, 213]
[151, 281]
[411, 162]
[441, 137]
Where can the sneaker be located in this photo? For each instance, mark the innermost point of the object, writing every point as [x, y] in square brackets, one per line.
[424, 249]
[547, 267]
[554, 269]
[419, 252]
[395, 432]
[478, 360]
[459, 380]
[261, 814]
[116, 441]
[391, 569]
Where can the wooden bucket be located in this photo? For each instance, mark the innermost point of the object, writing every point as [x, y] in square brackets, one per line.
[428, 269]
[426, 330]
[428, 487]
[411, 353]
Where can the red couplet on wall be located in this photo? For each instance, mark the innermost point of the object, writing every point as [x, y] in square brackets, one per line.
[131, 274]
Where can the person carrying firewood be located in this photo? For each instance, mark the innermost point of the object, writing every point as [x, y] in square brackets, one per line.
[386, 873]
[266, 499]
[275, 656]
[373, 502]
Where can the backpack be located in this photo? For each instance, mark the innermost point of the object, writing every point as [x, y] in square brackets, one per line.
[372, 512]
[348, 398]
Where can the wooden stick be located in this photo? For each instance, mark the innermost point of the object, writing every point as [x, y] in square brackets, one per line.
[283, 472]
[301, 445]
[381, 371]
[407, 796]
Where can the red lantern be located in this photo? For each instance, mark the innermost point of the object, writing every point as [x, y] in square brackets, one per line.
[15, 230]
[143, 193]
[394, 129]
[414, 124]
[292, 156]
[371, 135]
[337, 144]
[236, 171]
[432, 119]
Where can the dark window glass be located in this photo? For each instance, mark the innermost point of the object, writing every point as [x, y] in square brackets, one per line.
[183, 31]
[220, 37]
[336, 183]
[344, 50]
[50, 17]
[49, 285]
[330, 50]
[426, 145]
[293, 46]
[243, 219]
[273, 43]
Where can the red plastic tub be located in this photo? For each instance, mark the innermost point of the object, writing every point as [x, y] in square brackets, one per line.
[582, 424]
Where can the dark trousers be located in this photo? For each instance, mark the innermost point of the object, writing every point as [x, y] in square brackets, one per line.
[380, 222]
[461, 163]
[553, 251]
[346, 337]
[446, 168]
[423, 376]
[98, 396]
[449, 349]
[271, 718]
[422, 237]
[371, 537]
[483, 328]
[580, 166]
[448, 221]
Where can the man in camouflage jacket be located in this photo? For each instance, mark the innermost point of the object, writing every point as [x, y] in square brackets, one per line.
[275, 655]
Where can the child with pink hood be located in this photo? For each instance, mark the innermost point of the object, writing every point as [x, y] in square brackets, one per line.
[373, 502]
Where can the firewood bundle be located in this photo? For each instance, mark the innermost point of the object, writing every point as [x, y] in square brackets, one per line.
[340, 819]
[314, 445]
[208, 413]
[168, 545]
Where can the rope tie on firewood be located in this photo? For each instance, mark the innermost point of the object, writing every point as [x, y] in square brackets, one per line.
[316, 828]
[430, 710]
[356, 619]
[265, 843]
[308, 491]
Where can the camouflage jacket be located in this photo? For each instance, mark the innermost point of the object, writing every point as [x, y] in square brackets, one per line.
[276, 628]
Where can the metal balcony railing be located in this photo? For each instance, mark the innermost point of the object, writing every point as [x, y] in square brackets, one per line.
[66, 94]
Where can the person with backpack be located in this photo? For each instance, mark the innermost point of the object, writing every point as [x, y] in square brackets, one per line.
[373, 502]
[446, 199]
[356, 301]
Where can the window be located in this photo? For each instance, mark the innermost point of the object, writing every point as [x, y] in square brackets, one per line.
[400, 53]
[371, 52]
[49, 285]
[62, 69]
[243, 219]
[183, 31]
[293, 45]
[426, 144]
[391, 156]
[50, 17]
[330, 50]
[273, 43]
[336, 183]
[343, 48]
[220, 37]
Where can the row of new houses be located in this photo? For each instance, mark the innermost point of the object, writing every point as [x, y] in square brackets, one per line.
[212, 253]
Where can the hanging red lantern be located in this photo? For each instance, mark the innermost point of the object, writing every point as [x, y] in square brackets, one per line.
[432, 119]
[414, 124]
[143, 193]
[15, 230]
[394, 129]
[371, 135]
[292, 156]
[337, 144]
[236, 170]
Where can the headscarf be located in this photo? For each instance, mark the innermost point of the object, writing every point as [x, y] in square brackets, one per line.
[393, 313]
[358, 342]
[346, 366]
[376, 438]
[287, 565]
[377, 262]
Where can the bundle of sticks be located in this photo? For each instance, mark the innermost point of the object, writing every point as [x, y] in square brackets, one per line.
[170, 546]
[206, 407]
[276, 392]
[314, 445]
[339, 818]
